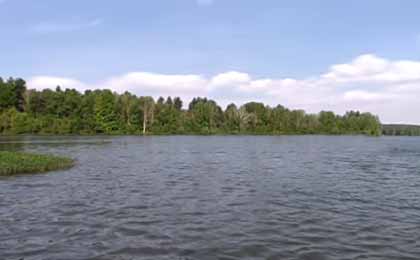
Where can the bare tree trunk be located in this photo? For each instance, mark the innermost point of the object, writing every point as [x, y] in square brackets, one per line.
[144, 121]
[128, 117]
[147, 107]
[27, 100]
[153, 116]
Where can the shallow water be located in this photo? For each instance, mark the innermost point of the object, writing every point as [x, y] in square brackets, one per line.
[299, 197]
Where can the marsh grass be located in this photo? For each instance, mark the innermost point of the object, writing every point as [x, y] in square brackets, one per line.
[12, 163]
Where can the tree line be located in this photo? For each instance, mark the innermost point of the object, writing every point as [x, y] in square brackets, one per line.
[401, 130]
[67, 111]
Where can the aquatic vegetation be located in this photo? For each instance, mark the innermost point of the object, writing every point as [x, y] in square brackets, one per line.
[19, 163]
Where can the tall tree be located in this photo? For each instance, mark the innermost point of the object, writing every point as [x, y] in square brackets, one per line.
[105, 116]
[147, 105]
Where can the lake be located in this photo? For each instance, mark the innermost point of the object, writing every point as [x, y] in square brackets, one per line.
[215, 197]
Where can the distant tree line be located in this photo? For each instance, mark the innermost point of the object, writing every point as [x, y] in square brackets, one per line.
[27, 111]
[398, 130]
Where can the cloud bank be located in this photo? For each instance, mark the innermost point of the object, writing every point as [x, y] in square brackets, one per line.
[390, 89]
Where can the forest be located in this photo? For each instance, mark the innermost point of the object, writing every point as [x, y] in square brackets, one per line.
[67, 111]
[398, 130]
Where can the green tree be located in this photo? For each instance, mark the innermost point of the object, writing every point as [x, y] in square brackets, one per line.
[105, 116]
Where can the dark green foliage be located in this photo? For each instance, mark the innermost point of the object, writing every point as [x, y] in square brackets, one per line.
[18, 163]
[12, 94]
[204, 116]
[67, 111]
[167, 117]
[106, 120]
[397, 130]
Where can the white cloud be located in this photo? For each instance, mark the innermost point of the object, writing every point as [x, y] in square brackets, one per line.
[153, 84]
[361, 95]
[47, 82]
[387, 88]
[56, 27]
[230, 78]
[369, 68]
[205, 2]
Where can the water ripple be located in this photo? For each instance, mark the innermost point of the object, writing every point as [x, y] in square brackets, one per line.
[187, 198]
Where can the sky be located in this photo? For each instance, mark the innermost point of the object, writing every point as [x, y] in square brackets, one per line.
[312, 55]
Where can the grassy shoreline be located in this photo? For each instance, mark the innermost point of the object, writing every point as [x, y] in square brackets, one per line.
[14, 163]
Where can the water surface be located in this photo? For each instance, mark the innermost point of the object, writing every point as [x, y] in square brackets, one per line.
[300, 197]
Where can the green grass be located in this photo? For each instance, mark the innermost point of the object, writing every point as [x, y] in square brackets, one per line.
[12, 163]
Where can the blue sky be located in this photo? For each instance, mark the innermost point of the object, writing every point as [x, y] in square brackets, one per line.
[230, 50]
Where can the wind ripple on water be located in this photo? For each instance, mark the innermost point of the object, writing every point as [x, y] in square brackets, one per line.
[311, 198]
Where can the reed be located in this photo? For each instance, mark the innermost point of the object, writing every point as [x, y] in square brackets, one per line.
[12, 163]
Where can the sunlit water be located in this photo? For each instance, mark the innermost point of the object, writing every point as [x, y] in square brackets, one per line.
[310, 197]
